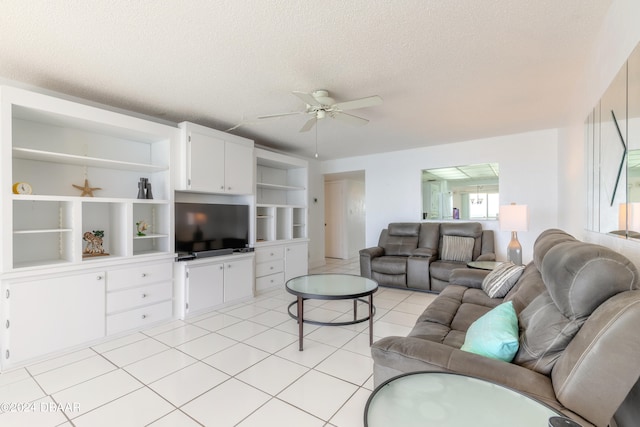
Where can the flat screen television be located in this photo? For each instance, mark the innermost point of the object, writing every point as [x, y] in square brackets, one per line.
[206, 226]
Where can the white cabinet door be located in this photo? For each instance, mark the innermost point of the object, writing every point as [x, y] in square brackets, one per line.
[48, 315]
[204, 286]
[238, 168]
[205, 163]
[238, 279]
[296, 262]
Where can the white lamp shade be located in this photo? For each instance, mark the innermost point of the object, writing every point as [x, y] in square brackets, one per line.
[629, 216]
[514, 218]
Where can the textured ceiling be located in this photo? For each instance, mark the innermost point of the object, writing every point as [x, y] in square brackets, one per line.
[447, 70]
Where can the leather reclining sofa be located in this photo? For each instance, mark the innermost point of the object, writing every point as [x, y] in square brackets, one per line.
[421, 256]
[578, 314]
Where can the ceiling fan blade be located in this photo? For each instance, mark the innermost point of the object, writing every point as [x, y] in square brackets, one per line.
[309, 125]
[369, 101]
[348, 118]
[272, 116]
[307, 98]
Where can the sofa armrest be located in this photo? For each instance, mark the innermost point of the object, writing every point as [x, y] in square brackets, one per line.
[409, 354]
[366, 255]
[487, 257]
[468, 277]
[425, 252]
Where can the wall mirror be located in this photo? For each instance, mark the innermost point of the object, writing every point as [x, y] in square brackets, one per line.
[612, 134]
[468, 192]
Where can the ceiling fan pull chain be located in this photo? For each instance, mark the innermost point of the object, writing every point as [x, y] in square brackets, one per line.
[316, 139]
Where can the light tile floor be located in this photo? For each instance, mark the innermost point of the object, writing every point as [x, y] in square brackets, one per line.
[236, 366]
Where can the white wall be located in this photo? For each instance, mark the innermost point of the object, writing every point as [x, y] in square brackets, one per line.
[528, 175]
[616, 39]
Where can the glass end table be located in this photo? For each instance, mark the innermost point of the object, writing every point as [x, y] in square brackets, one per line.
[332, 287]
[439, 399]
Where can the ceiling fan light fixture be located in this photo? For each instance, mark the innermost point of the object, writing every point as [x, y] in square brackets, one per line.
[321, 114]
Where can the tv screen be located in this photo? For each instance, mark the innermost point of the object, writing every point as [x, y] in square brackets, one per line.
[203, 226]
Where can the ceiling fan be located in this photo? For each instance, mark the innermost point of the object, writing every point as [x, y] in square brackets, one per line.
[320, 105]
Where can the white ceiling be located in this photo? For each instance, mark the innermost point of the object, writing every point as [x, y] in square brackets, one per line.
[448, 70]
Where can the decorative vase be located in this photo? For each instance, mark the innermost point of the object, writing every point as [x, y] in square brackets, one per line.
[141, 193]
[149, 193]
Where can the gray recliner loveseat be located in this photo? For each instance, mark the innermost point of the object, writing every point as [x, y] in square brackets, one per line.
[578, 313]
[422, 255]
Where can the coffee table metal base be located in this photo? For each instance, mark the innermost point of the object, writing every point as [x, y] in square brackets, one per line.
[301, 320]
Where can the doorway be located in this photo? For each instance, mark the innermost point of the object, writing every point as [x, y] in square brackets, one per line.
[344, 214]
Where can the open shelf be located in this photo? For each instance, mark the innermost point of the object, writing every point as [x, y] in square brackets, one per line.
[279, 187]
[72, 159]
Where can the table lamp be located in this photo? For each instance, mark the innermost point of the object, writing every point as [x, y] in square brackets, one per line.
[514, 218]
[629, 219]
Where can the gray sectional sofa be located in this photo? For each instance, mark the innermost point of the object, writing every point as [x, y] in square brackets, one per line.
[578, 314]
[421, 256]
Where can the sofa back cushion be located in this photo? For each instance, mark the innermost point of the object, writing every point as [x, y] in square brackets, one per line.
[578, 278]
[429, 236]
[581, 276]
[457, 248]
[400, 238]
[547, 240]
[462, 229]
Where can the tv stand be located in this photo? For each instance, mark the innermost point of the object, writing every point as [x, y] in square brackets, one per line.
[212, 252]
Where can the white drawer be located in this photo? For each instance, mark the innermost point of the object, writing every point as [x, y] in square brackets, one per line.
[269, 253]
[139, 275]
[136, 297]
[268, 282]
[271, 267]
[134, 319]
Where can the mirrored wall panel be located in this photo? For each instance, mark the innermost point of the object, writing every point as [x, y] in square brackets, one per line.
[468, 192]
[612, 135]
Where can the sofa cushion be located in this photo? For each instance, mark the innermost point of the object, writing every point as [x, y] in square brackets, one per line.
[494, 334]
[442, 270]
[500, 281]
[578, 278]
[547, 240]
[545, 334]
[581, 279]
[457, 248]
[389, 265]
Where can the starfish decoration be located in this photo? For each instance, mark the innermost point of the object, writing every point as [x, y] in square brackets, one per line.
[86, 190]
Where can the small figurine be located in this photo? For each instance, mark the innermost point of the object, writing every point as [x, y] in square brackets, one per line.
[94, 243]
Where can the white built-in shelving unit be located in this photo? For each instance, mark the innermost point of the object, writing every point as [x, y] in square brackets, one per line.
[53, 143]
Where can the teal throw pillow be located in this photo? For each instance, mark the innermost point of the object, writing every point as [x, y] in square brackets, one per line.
[495, 334]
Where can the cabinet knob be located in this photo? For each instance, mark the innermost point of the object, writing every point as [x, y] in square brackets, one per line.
[222, 187]
[271, 268]
[221, 267]
[228, 188]
[144, 295]
[144, 274]
[98, 277]
[144, 316]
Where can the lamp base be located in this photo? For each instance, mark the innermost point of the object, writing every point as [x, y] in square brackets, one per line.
[514, 250]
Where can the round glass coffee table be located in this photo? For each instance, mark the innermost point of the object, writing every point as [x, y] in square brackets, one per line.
[439, 399]
[332, 287]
